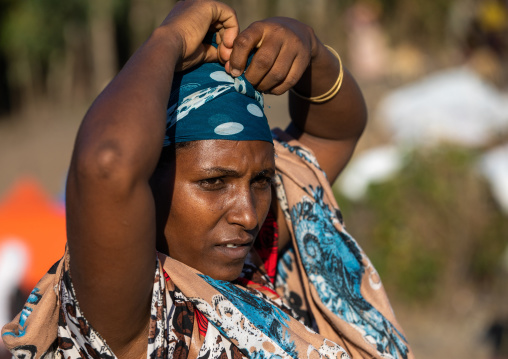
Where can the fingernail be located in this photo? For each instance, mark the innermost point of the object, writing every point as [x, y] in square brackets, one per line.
[236, 72]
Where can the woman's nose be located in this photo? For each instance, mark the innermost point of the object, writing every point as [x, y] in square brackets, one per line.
[243, 211]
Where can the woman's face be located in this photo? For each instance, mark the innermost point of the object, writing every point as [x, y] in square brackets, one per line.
[220, 199]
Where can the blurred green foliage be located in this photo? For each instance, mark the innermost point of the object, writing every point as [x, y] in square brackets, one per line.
[433, 228]
[37, 26]
[39, 36]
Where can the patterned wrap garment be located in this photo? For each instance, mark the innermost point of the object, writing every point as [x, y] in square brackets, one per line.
[320, 298]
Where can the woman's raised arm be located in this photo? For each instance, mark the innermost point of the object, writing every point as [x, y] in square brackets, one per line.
[332, 128]
[110, 209]
[290, 55]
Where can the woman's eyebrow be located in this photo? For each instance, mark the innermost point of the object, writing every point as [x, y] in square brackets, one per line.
[267, 172]
[221, 171]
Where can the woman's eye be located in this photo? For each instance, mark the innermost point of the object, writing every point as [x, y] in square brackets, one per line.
[263, 181]
[212, 183]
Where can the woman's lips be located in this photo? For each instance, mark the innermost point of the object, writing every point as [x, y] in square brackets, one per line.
[234, 251]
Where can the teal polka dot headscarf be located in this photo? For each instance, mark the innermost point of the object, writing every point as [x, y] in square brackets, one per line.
[206, 103]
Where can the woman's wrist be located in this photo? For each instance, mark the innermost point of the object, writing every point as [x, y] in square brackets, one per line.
[333, 91]
[321, 76]
[168, 45]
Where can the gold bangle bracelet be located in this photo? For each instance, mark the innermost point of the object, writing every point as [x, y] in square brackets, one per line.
[335, 88]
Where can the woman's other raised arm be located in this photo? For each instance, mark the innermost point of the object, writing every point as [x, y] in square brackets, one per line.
[332, 128]
[289, 55]
[110, 209]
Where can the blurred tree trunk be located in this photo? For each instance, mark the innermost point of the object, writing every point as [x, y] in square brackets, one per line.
[317, 12]
[5, 95]
[103, 49]
[289, 8]
[23, 78]
[249, 11]
[72, 73]
[145, 16]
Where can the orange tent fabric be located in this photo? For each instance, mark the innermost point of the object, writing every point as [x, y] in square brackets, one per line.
[28, 215]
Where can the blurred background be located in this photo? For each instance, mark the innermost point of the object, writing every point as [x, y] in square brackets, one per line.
[426, 194]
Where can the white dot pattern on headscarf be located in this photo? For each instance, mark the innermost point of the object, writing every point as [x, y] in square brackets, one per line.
[238, 82]
[199, 116]
[240, 86]
[198, 99]
[229, 128]
[254, 110]
[222, 76]
[259, 98]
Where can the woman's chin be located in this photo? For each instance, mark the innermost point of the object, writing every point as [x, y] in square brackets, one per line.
[228, 274]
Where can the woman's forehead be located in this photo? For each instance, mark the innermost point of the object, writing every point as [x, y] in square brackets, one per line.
[210, 153]
[214, 145]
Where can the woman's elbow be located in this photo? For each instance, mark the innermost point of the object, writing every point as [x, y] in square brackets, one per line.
[106, 165]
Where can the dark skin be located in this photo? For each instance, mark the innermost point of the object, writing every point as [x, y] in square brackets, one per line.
[229, 183]
[110, 206]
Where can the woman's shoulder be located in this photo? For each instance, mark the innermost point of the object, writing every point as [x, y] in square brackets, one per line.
[287, 147]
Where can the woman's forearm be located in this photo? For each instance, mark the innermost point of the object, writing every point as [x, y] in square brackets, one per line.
[330, 129]
[344, 116]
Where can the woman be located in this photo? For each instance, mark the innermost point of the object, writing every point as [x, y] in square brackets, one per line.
[205, 200]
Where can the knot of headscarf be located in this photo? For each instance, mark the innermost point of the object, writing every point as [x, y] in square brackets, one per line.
[206, 103]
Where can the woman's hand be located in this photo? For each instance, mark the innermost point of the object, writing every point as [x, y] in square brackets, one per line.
[189, 22]
[285, 48]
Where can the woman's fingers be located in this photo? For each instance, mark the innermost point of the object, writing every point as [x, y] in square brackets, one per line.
[278, 73]
[226, 27]
[294, 74]
[284, 49]
[224, 23]
[229, 27]
[244, 43]
[191, 20]
[268, 56]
